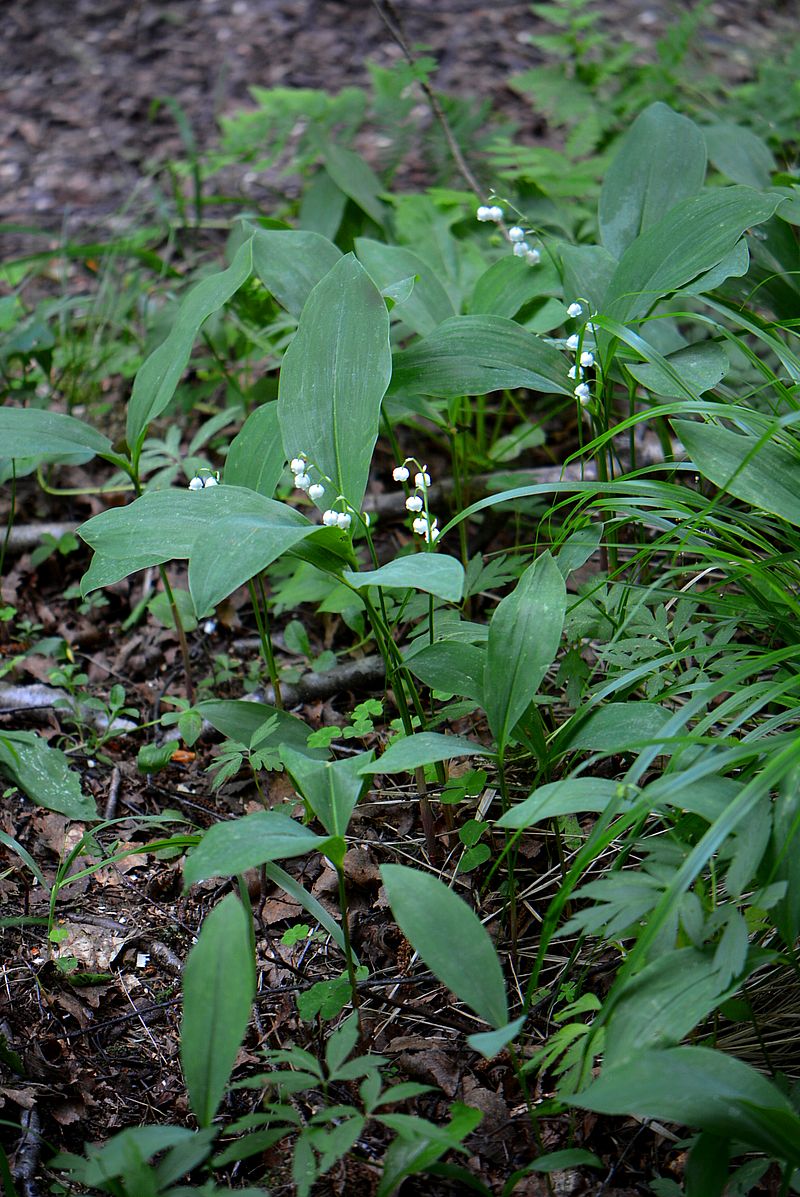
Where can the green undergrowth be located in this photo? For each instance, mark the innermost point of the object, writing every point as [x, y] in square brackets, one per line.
[583, 598]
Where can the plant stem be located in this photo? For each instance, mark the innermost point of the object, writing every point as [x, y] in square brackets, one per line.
[11, 514]
[262, 622]
[173, 606]
[348, 950]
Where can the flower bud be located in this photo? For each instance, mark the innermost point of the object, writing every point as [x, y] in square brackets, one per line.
[302, 481]
[400, 473]
[297, 465]
[343, 520]
[196, 484]
[574, 310]
[316, 491]
[330, 518]
[414, 503]
[516, 234]
[422, 480]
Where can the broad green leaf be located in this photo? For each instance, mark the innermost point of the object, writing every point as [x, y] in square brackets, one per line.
[357, 180]
[472, 355]
[694, 236]
[424, 748]
[450, 938]
[331, 788]
[322, 206]
[765, 475]
[699, 367]
[255, 458]
[660, 161]
[238, 719]
[508, 285]
[428, 305]
[572, 796]
[661, 1004]
[454, 668]
[111, 1159]
[698, 1087]
[161, 372]
[334, 376]
[738, 153]
[524, 635]
[733, 265]
[228, 533]
[29, 432]
[572, 1157]
[43, 773]
[235, 845]
[618, 727]
[431, 572]
[588, 270]
[219, 984]
[291, 262]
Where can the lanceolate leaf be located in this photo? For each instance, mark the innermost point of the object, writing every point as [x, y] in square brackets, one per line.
[450, 938]
[228, 533]
[765, 475]
[43, 773]
[698, 1087]
[691, 238]
[524, 635]
[291, 262]
[331, 788]
[161, 372]
[432, 573]
[219, 983]
[472, 355]
[232, 847]
[334, 376]
[424, 748]
[30, 432]
[429, 304]
[660, 161]
[255, 458]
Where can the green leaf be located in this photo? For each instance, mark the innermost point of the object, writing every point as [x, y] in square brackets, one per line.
[698, 1087]
[432, 573]
[279, 876]
[694, 236]
[29, 432]
[428, 304]
[239, 844]
[424, 748]
[507, 286]
[660, 1005]
[219, 984]
[161, 372]
[357, 180]
[572, 1157]
[572, 796]
[524, 635]
[238, 719]
[43, 773]
[766, 475]
[331, 788]
[699, 367]
[660, 161]
[334, 376]
[255, 458]
[489, 1043]
[228, 533]
[25, 856]
[619, 727]
[472, 355]
[290, 263]
[451, 667]
[450, 939]
[738, 153]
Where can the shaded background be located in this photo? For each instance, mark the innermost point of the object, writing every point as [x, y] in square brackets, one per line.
[78, 79]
